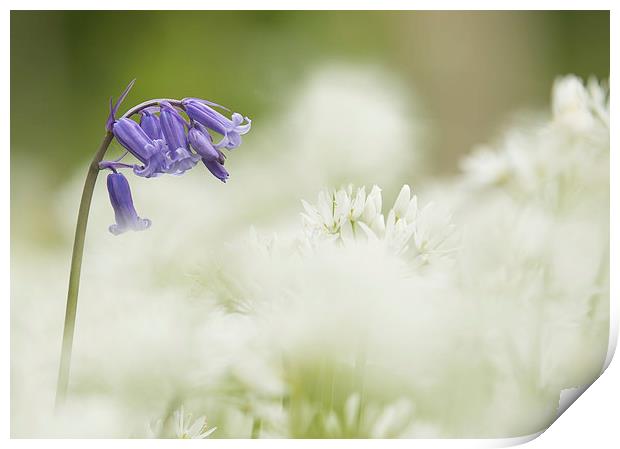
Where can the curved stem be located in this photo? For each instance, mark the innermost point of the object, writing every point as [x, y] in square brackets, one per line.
[149, 103]
[76, 266]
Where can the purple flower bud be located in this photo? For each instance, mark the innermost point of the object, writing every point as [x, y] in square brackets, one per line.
[124, 212]
[149, 122]
[231, 129]
[172, 127]
[201, 141]
[131, 136]
[217, 169]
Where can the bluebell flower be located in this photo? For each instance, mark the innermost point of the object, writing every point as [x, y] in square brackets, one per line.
[131, 136]
[150, 152]
[173, 130]
[231, 128]
[202, 142]
[149, 122]
[125, 213]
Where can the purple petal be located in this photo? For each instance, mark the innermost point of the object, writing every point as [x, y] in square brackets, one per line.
[201, 141]
[180, 161]
[217, 170]
[150, 123]
[131, 136]
[157, 163]
[172, 127]
[206, 116]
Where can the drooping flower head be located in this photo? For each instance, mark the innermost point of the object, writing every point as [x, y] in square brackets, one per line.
[163, 141]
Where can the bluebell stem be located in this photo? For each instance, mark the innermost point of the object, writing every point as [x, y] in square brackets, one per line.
[161, 145]
[232, 129]
[124, 211]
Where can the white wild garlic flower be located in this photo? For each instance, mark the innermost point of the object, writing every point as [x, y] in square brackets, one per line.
[542, 161]
[184, 428]
[347, 215]
[577, 106]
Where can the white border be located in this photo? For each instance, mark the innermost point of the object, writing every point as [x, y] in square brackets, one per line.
[591, 420]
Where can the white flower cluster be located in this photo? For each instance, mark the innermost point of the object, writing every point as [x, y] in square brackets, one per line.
[552, 161]
[578, 107]
[345, 216]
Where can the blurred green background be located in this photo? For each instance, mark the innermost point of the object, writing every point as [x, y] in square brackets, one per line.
[470, 70]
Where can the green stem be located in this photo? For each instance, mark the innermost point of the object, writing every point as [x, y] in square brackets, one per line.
[360, 374]
[76, 266]
[256, 425]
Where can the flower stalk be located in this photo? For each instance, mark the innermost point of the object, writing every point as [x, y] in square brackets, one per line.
[76, 268]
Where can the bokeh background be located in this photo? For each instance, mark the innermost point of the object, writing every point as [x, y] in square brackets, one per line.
[470, 72]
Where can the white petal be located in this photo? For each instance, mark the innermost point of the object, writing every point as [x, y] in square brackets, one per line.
[378, 225]
[402, 201]
[370, 211]
[412, 209]
[370, 234]
[358, 204]
[390, 222]
[346, 231]
[195, 429]
[375, 194]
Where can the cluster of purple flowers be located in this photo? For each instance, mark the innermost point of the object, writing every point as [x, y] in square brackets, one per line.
[171, 138]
